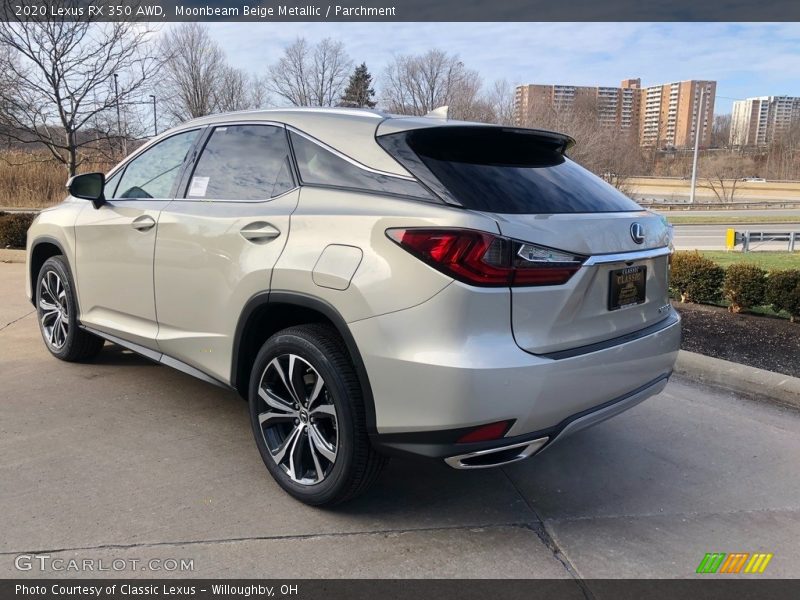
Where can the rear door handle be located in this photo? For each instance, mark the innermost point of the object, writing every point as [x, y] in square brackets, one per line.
[143, 223]
[259, 232]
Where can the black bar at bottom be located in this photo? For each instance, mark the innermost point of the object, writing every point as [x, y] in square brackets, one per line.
[708, 587]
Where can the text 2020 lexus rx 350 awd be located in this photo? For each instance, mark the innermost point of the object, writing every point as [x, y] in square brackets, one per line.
[372, 284]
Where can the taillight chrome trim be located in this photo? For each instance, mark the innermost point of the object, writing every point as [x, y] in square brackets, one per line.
[622, 257]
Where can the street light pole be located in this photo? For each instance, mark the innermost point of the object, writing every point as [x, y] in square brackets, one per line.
[155, 118]
[697, 128]
[119, 119]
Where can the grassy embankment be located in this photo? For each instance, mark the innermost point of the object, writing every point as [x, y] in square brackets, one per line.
[33, 181]
[765, 260]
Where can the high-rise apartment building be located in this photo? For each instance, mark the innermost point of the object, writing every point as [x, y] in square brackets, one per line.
[616, 106]
[759, 121]
[671, 112]
[663, 116]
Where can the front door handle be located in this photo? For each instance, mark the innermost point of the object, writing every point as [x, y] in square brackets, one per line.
[143, 223]
[259, 232]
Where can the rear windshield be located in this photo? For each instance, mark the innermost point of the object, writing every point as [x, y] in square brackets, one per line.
[502, 170]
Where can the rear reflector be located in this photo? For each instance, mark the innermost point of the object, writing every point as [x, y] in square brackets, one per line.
[484, 259]
[486, 433]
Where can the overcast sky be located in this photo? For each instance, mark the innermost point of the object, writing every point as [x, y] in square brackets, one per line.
[745, 59]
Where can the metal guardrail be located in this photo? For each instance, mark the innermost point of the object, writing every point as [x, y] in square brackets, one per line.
[699, 206]
[734, 238]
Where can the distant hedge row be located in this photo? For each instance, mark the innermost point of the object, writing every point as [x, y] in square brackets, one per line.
[14, 229]
[695, 278]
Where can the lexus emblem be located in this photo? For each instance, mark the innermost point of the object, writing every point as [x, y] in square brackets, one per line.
[637, 233]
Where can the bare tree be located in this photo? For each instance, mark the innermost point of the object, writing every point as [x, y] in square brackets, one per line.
[721, 131]
[259, 94]
[61, 79]
[331, 72]
[194, 70]
[721, 173]
[783, 155]
[501, 98]
[606, 149]
[233, 91]
[310, 75]
[418, 84]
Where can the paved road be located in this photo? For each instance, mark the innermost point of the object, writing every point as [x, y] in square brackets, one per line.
[712, 237]
[127, 459]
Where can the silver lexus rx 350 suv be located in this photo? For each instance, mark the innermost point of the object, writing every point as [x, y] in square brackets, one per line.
[372, 284]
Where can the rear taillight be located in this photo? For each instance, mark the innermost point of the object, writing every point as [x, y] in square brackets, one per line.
[485, 259]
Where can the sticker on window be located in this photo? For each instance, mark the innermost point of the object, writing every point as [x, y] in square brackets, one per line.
[199, 186]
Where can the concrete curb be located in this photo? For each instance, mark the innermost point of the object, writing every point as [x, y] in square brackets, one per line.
[12, 256]
[742, 379]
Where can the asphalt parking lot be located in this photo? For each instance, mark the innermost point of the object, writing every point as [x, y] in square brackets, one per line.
[127, 459]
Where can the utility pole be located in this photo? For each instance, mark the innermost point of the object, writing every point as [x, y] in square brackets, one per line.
[119, 119]
[697, 128]
[155, 118]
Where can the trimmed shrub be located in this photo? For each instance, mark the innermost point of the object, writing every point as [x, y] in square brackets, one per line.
[14, 229]
[744, 286]
[783, 292]
[695, 278]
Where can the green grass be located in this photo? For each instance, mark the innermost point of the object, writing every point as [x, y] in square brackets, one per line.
[699, 219]
[765, 260]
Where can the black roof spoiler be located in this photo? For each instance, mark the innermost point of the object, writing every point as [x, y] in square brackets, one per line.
[561, 141]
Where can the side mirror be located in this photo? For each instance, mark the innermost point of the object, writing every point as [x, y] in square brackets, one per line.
[88, 186]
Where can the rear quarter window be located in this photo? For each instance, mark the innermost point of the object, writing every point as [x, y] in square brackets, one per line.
[319, 166]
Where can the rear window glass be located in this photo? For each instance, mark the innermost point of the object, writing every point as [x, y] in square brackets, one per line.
[503, 170]
[319, 166]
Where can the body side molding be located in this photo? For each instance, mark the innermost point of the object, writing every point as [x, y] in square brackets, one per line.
[158, 357]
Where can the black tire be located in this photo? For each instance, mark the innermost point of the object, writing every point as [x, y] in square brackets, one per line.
[356, 465]
[77, 345]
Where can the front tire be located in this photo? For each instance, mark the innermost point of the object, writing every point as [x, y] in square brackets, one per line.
[307, 414]
[57, 312]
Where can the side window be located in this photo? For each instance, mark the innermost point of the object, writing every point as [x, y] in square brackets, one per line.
[318, 166]
[243, 162]
[111, 184]
[152, 174]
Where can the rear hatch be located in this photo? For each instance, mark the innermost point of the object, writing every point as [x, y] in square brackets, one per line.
[523, 179]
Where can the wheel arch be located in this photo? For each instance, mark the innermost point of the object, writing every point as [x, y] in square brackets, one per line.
[43, 248]
[267, 313]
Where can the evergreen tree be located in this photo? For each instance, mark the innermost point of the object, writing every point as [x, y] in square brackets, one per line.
[359, 92]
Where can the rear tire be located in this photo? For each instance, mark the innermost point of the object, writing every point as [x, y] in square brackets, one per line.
[57, 313]
[308, 418]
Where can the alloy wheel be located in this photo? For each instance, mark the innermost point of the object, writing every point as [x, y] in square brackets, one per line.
[298, 419]
[53, 310]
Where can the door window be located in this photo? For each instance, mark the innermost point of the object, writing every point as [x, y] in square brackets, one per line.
[243, 162]
[153, 173]
[110, 187]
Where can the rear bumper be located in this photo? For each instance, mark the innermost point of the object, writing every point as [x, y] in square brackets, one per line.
[440, 445]
[451, 364]
[512, 451]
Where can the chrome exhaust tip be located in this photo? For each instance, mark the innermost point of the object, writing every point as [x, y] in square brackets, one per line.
[495, 457]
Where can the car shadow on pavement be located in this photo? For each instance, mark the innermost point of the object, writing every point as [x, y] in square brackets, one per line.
[117, 356]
